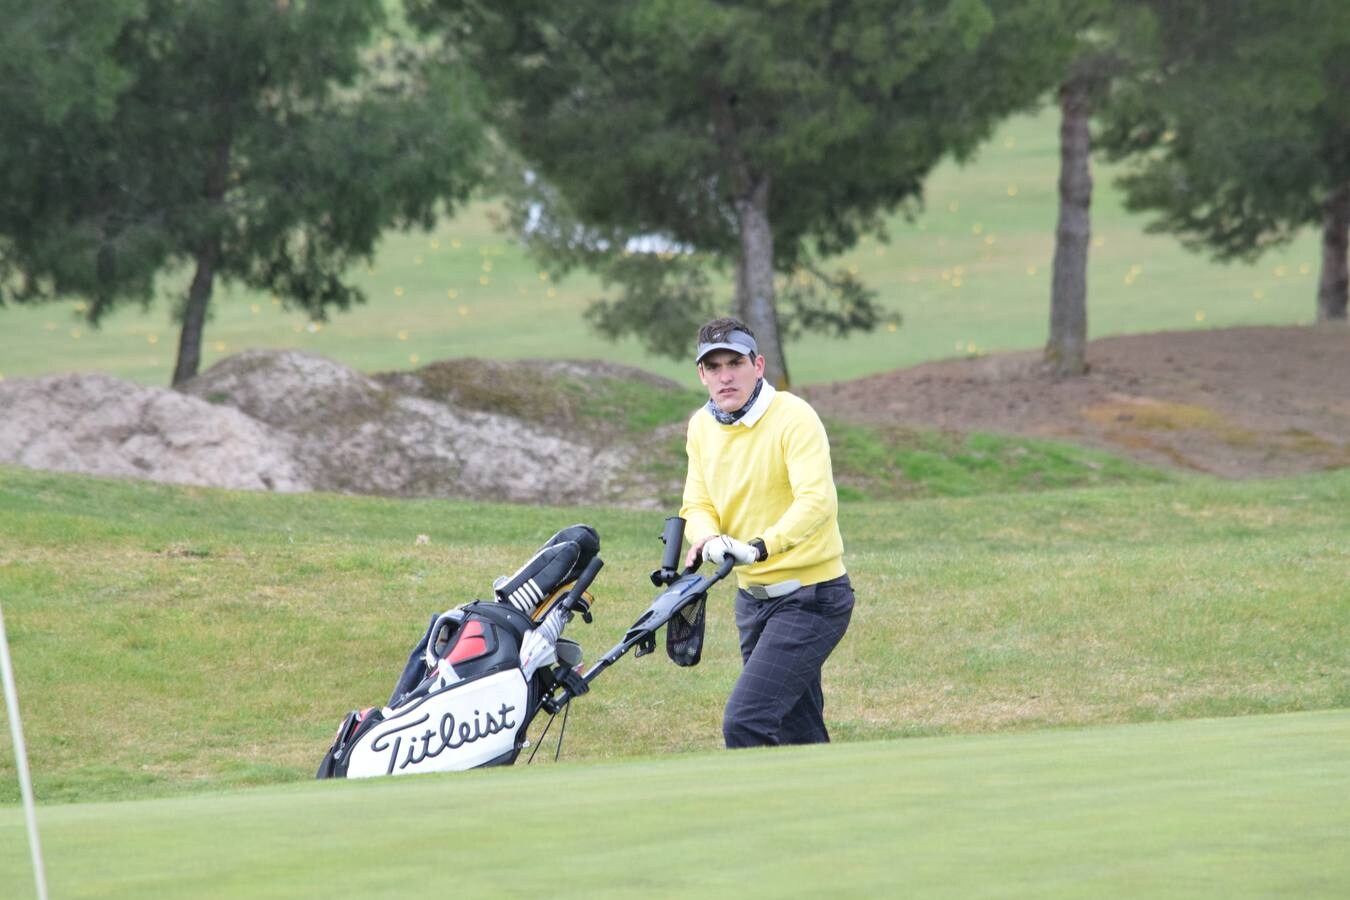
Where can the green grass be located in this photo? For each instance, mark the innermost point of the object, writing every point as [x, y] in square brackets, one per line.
[578, 399]
[970, 276]
[636, 408]
[1251, 807]
[891, 463]
[170, 640]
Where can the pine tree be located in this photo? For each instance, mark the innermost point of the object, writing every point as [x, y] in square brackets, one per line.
[759, 137]
[267, 144]
[1241, 138]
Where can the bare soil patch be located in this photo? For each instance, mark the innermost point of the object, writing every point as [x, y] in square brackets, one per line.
[1238, 403]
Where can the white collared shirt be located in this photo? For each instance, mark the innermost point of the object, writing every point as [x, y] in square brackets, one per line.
[753, 414]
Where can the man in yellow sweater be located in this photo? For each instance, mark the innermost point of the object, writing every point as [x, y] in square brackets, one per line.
[760, 489]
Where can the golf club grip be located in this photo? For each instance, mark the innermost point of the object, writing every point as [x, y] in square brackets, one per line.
[722, 571]
[583, 581]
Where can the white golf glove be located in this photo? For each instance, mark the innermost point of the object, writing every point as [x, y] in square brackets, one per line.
[539, 647]
[536, 652]
[720, 547]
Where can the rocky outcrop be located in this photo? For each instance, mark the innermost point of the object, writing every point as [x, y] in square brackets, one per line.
[100, 425]
[289, 421]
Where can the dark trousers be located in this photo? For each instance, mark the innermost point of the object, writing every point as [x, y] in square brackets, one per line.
[784, 644]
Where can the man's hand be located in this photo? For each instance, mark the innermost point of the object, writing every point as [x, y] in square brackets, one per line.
[696, 551]
[720, 547]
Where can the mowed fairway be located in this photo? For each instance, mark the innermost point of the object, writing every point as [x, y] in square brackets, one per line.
[1250, 807]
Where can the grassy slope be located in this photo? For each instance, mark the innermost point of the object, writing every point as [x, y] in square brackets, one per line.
[170, 640]
[1250, 807]
[972, 275]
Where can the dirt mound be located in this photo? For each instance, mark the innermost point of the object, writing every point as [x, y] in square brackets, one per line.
[1240, 402]
[545, 391]
[286, 420]
[102, 426]
[394, 436]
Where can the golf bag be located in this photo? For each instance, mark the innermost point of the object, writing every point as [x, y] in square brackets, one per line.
[481, 672]
[478, 675]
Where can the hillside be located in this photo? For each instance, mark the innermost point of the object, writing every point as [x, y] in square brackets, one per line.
[1239, 402]
[1236, 403]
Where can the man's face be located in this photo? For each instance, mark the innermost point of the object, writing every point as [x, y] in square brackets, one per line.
[730, 377]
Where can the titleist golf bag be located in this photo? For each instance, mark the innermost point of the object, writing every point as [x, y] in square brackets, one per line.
[476, 678]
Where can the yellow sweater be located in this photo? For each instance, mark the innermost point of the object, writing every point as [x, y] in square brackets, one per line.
[770, 480]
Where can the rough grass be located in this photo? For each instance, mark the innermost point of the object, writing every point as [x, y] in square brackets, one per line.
[886, 463]
[171, 640]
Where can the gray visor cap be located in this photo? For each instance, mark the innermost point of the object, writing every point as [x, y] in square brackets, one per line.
[735, 341]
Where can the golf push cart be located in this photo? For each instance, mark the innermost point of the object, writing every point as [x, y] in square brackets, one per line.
[475, 680]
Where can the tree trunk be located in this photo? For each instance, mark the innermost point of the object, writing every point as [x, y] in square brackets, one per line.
[742, 290]
[1065, 353]
[1334, 288]
[194, 313]
[754, 283]
[207, 257]
[755, 300]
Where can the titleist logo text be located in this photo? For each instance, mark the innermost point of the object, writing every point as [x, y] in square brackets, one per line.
[449, 735]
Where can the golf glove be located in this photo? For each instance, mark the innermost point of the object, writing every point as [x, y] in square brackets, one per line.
[536, 652]
[539, 647]
[720, 547]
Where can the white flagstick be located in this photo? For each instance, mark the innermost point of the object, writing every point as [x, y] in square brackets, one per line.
[21, 760]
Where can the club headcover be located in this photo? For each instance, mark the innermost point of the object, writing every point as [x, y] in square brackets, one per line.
[557, 563]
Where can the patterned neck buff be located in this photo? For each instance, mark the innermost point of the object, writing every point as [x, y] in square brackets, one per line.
[731, 418]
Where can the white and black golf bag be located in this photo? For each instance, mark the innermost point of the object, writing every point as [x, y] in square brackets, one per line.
[475, 680]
